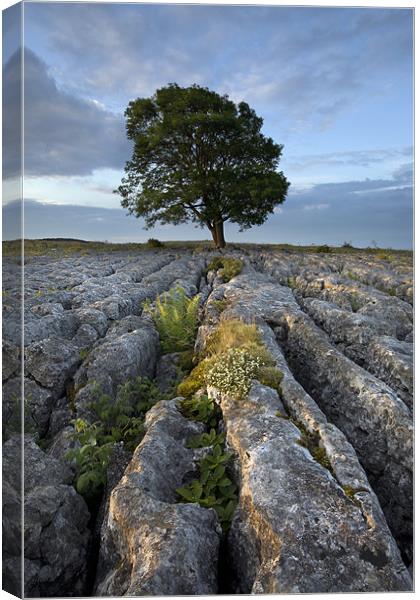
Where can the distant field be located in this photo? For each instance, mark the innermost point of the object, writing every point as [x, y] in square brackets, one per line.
[67, 247]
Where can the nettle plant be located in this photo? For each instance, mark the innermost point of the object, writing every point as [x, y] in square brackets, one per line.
[116, 421]
[213, 488]
[176, 318]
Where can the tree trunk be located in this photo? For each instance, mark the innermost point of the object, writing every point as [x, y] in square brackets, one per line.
[217, 232]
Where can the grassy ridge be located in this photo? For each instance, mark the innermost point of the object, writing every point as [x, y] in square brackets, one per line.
[66, 247]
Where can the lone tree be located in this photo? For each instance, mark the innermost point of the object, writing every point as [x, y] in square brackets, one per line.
[197, 156]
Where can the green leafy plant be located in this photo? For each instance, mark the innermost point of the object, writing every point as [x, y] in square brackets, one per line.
[176, 319]
[91, 458]
[206, 439]
[213, 489]
[200, 408]
[113, 422]
[227, 267]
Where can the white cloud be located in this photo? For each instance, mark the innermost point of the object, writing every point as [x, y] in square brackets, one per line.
[320, 206]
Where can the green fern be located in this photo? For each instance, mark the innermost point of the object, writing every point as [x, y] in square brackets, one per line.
[176, 319]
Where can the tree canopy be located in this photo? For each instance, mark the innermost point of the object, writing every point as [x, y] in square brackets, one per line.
[199, 157]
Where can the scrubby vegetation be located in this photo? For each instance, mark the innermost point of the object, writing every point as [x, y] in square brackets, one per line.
[227, 267]
[154, 243]
[234, 355]
[176, 318]
[324, 248]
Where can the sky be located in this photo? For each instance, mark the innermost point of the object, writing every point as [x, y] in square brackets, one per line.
[333, 85]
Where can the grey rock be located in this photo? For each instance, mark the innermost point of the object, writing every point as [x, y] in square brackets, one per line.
[146, 532]
[370, 414]
[93, 317]
[375, 421]
[48, 308]
[114, 307]
[51, 362]
[167, 371]
[55, 517]
[10, 360]
[60, 417]
[362, 338]
[61, 444]
[86, 336]
[295, 530]
[38, 404]
[121, 358]
[392, 361]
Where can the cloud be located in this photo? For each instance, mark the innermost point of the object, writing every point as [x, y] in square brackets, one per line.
[363, 158]
[306, 65]
[64, 135]
[319, 206]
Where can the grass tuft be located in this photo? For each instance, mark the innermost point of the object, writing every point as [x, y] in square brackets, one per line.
[227, 267]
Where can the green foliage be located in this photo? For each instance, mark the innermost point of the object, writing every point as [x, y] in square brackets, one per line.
[176, 319]
[323, 248]
[199, 157]
[206, 439]
[185, 361]
[228, 267]
[195, 380]
[84, 353]
[154, 243]
[119, 421]
[271, 377]
[310, 441]
[220, 305]
[291, 282]
[347, 245]
[355, 303]
[201, 408]
[140, 393]
[91, 459]
[213, 489]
